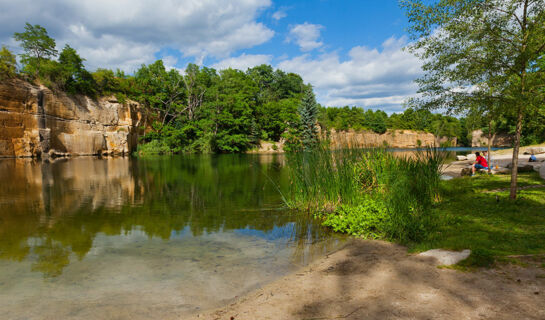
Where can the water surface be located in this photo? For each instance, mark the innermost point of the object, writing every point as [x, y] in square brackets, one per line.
[159, 238]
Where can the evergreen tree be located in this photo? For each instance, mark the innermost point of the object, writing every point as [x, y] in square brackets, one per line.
[308, 113]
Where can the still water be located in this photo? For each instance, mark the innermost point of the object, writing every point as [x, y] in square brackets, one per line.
[155, 238]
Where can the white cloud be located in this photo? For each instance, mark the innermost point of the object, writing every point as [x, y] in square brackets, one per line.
[131, 31]
[369, 77]
[306, 36]
[279, 15]
[243, 62]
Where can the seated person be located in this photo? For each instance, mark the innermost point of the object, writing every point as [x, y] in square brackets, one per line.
[532, 158]
[480, 163]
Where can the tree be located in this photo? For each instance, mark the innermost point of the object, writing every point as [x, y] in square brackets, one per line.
[75, 78]
[476, 44]
[7, 64]
[37, 45]
[161, 91]
[308, 112]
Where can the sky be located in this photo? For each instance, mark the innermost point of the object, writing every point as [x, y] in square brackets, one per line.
[351, 51]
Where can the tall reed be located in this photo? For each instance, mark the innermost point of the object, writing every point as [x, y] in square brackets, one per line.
[330, 182]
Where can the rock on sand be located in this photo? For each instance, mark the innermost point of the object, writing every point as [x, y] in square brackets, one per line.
[446, 257]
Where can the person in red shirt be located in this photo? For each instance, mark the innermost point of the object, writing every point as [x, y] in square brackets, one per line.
[480, 163]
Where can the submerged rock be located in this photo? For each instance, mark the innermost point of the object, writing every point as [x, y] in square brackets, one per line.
[446, 257]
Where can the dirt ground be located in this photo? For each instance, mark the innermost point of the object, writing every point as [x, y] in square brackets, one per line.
[380, 280]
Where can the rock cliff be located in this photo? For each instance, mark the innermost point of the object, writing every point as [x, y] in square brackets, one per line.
[479, 139]
[392, 139]
[35, 120]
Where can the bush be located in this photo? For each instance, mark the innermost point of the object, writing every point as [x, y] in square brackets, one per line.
[366, 219]
[154, 147]
[7, 64]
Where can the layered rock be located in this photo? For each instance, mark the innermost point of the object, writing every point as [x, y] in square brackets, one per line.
[404, 139]
[479, 139]
[35, 120]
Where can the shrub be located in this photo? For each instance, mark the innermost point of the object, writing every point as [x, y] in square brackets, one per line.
[154, 147]
[366, 219]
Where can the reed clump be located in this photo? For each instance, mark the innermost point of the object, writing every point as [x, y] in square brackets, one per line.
[368, 192]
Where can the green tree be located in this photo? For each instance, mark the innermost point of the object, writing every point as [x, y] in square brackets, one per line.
[235, 105]
[471, 43]
[8, 64]
[37, 45]
[75, 79]
[308, 112]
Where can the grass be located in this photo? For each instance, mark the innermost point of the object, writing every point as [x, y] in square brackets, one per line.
[489, 224]
[368, 193]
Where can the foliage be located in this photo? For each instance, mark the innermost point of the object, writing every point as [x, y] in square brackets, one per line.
[155, 147]
[481, 52]
[308, 112]
[349, 187]
[37, 45]
[8, 64]
[75, 79]
[366, 219]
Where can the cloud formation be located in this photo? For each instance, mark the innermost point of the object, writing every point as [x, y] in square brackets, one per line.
[126, 33]
[306, 36]
[280, 14]
[368, 78]
[243, 62]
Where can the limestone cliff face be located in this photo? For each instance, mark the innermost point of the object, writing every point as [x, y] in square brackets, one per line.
[479, 139]
[34, 120]
[391, 138]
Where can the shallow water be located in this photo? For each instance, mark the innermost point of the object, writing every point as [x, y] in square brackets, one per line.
[155, 238]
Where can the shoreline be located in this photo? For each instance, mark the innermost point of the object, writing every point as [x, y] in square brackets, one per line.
[371, 279]
[453, 169]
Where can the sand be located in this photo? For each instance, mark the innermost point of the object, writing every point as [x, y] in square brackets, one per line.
[380, 280]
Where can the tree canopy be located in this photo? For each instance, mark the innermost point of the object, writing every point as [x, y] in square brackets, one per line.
[481, 52]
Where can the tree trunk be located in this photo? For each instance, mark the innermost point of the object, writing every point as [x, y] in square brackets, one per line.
[515, 161]
[489, 143]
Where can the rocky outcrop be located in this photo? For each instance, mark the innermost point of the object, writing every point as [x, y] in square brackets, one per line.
[479, 139]
[392, 138]
[35, 120]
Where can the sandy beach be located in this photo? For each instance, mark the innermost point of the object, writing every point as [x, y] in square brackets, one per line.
[380, 280]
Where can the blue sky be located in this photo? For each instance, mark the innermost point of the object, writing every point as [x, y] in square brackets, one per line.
[350, 51]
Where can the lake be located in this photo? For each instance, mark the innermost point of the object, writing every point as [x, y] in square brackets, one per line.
[128, 238]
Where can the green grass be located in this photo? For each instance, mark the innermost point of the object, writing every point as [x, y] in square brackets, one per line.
[369, 193]
[489, 223]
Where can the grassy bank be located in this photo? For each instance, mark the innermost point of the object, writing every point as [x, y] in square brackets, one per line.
[373, 194]
[474, 216]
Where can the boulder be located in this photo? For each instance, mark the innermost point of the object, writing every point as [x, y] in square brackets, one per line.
[466, 172]
[471, 157]
[523, 168]
[461, 158]
[542, 171]
[445, 257]
[535, 150]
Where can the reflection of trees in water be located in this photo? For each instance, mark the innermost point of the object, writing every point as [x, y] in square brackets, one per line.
[66, 204]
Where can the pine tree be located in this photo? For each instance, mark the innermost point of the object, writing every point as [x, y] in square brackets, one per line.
[309, 113]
